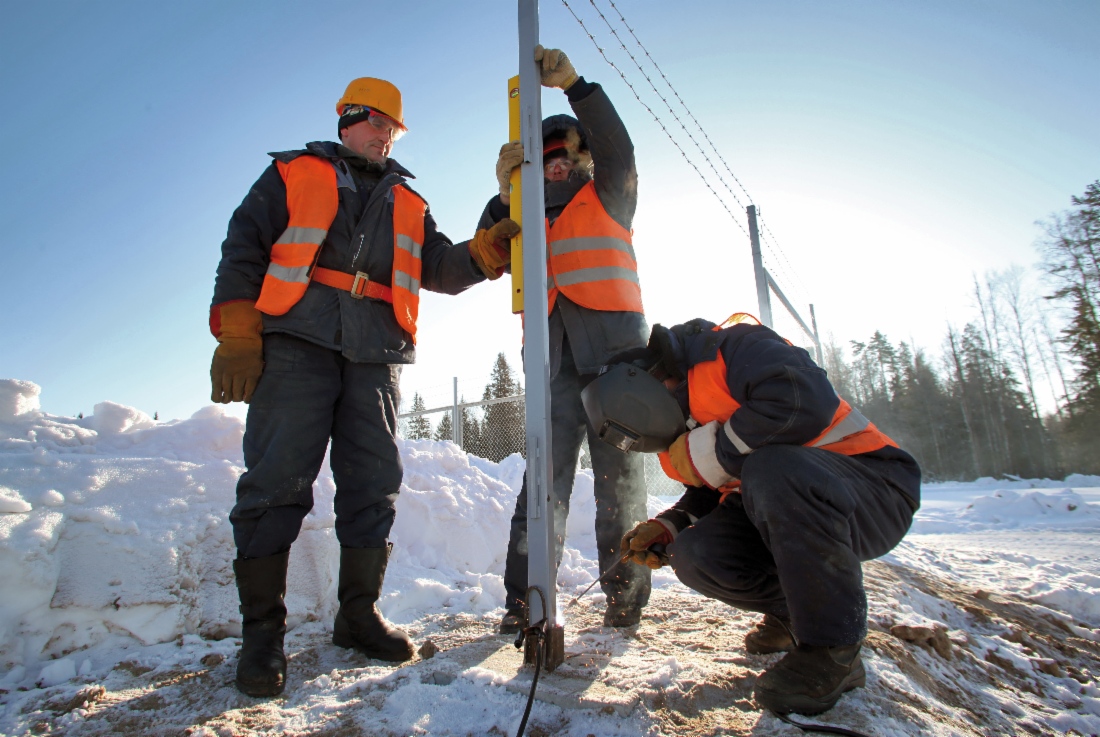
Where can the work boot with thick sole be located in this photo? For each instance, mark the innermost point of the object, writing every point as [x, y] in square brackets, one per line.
[359, 625]
[261, 584]
[772, 634]
[512, 622]
[810, 679]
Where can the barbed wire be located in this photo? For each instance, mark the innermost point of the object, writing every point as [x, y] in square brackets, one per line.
[668, 105]
[654, 116]
[782, 265]
[681, 101]
[794, 280]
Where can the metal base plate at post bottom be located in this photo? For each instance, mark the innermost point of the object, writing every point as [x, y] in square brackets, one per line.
[553, 653]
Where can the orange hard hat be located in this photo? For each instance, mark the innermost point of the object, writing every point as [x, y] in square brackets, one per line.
[377, 94]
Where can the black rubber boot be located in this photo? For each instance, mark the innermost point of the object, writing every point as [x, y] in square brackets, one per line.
[810, 679]
[359, 624]
[512, 622]
[772, 634]
[261, 584]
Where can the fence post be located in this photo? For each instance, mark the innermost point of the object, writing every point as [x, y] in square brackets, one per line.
[763, 299]
[817, 338]
[456, 418]
[542, 604]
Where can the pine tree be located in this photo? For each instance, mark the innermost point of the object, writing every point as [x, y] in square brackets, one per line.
[1071, 257]
[419, 427]
[503, 430]
[471, 430]
[445, 429]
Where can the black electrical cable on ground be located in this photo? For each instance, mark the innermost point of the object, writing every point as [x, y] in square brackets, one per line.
[539, 631]
[823, 728]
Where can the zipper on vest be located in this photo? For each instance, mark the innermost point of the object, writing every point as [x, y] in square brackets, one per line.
[358, 249]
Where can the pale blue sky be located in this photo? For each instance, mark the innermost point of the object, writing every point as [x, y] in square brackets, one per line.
[894, 149]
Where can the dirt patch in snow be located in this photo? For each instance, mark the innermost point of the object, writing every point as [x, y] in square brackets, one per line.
[941, 660]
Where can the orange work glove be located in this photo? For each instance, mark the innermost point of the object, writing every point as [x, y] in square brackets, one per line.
[239, 357]
[636, 543]
[681, 460]
[491, 249]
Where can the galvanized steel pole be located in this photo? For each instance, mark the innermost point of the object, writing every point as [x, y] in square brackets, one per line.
[456, 418]
[541, 560]
[763, 299]
[817, 339]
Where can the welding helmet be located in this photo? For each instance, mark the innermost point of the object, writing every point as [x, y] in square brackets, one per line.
[633, 410]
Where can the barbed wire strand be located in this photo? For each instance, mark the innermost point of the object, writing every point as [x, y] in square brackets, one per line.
[682, 103]
[767, 235]
[654, 116]
[668, 105]
[795, 280]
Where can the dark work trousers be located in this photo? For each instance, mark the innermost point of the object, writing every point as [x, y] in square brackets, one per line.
[791, 543]
[619, 490]
[307, 395]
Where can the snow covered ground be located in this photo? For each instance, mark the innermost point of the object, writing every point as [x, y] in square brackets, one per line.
[118, 612]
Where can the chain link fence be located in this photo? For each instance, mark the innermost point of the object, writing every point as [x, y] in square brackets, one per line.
[496, 428]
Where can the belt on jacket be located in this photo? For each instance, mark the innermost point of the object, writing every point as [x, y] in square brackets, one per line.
[356, 283]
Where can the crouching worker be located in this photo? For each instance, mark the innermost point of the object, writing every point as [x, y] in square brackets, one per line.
[788, 490]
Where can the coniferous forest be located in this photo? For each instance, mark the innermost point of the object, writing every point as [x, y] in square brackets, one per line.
[1013, 392]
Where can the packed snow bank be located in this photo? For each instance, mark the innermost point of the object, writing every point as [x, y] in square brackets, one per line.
[1008, 509]
[115, 526]
[116, 568]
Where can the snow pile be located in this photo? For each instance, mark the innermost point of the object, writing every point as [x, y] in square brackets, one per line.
[115, 526]
[115, 564]
[18, 398]
[1008, 509]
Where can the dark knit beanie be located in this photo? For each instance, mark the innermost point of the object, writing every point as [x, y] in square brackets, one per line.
[352, 115]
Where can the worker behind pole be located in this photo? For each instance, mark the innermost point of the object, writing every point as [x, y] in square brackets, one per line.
[315, 307]
[788, 489]
[595, 312]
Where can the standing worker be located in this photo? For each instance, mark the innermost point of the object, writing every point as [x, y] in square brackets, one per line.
[788, 489]
[315, 306]
[595, 309]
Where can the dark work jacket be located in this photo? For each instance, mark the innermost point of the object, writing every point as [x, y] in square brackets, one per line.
[360, 239]
[595, 336]
[785, 398]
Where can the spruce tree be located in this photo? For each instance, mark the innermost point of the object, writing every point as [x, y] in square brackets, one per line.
[1071, 258]
[471, 431]
[419, 427]
[503, 431]
[445, 429]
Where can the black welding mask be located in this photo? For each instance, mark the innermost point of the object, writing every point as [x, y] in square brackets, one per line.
[633, 410]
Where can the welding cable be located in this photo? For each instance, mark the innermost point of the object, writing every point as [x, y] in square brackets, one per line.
[539, 631]
[823, 728]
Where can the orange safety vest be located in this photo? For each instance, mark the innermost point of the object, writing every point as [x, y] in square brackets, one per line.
[312, 201]
[709, 400]
[590, 257]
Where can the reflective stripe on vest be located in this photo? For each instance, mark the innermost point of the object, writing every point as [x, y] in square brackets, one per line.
[312, 202]
[408, 240]
[590, 258]
[709, 400]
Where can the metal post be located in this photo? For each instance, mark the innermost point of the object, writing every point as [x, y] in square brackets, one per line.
[762, 297]
[541, 563]
[817, 338]
[456, 419]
